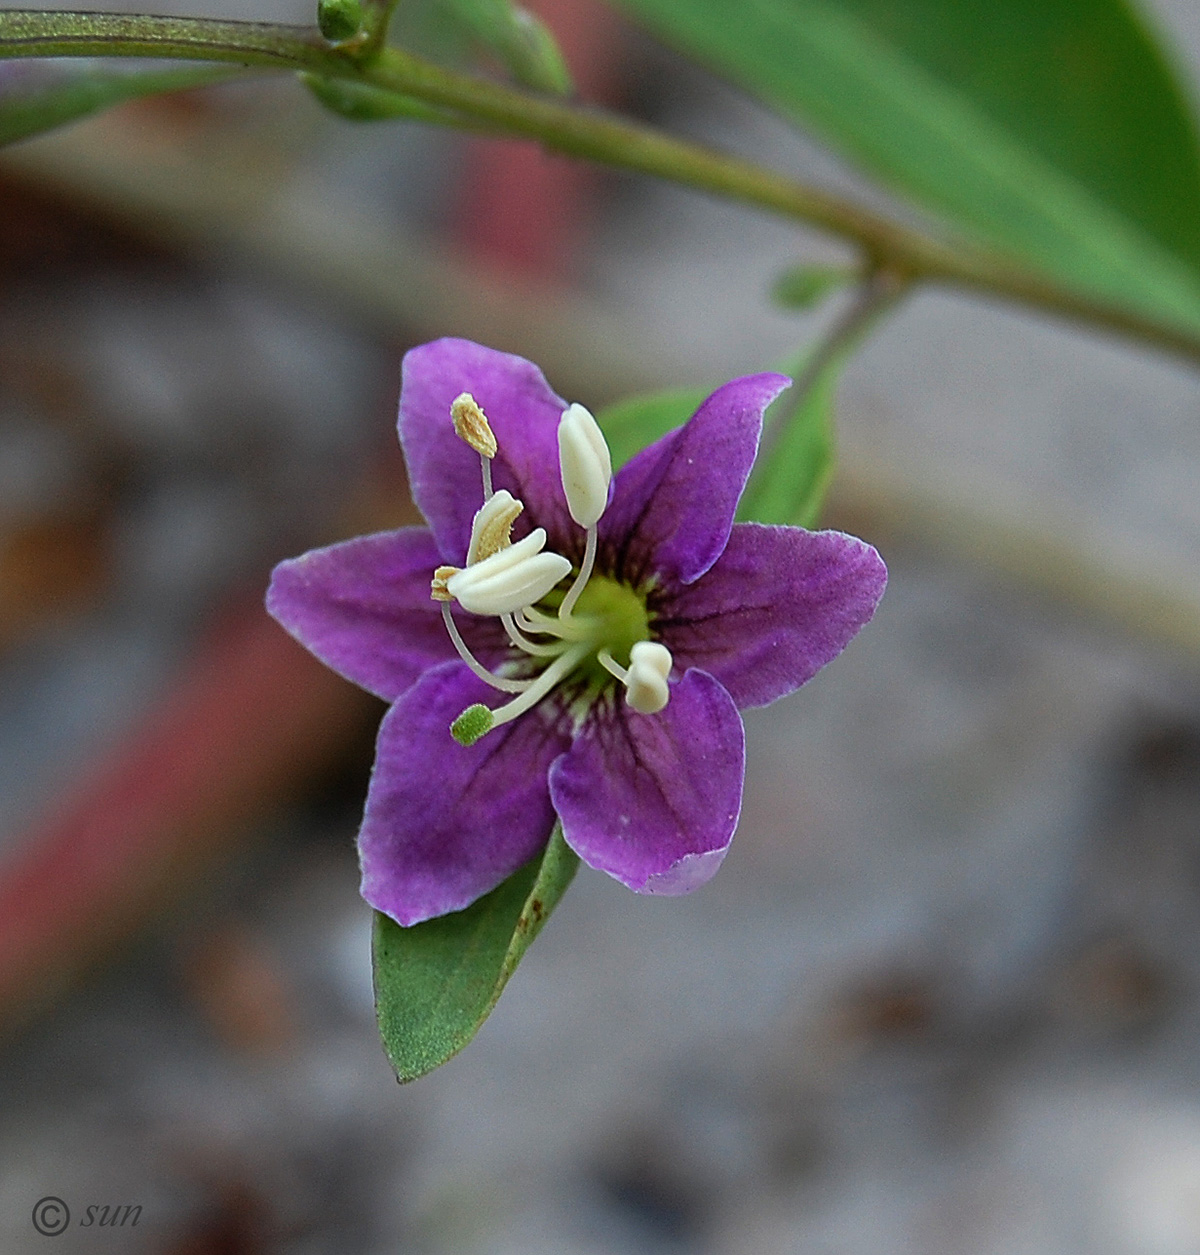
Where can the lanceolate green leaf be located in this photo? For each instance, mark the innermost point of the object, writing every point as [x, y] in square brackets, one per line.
[38, 97]
[1051, 129]
[436, 983]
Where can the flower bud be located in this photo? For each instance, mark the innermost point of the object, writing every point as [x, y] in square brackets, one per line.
[492, 526]
[510, 579]
[338, 20]
[585, 464]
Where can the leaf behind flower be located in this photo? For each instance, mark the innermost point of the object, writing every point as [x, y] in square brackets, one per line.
[436, 982]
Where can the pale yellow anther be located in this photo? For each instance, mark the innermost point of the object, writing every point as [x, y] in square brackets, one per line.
[491, 529]
[518, 576]
[437, 586]
[471, 425]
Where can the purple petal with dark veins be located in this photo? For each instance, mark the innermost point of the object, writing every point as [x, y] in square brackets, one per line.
[444, 471]
[673, 504]
[445, 823]
[363, 608]
[777, 605]
[653, 799]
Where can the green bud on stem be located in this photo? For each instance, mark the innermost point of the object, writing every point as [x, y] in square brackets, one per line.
[338, 20]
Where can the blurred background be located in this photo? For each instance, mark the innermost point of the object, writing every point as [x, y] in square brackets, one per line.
[944, 996]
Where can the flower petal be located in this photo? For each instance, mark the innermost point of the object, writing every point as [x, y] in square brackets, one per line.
[653, 799]
[673, 504]
[443, 471]
[777, 605]
[363, 608]
[444, 823]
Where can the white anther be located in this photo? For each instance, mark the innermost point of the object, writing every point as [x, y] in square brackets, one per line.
[492, 525]
[646, 682]
[471, 425]
[585, 464]
[515, 577]
[651, 654]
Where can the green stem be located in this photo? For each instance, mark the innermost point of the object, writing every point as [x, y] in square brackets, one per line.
[879, 291]
[580, 131]
[36, 33]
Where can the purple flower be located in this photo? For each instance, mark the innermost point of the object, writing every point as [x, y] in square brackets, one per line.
[622, 645]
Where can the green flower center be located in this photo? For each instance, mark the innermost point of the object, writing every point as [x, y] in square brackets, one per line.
[611, 617]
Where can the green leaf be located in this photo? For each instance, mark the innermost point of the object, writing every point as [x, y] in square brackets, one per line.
[38, 97]
[787, 487]
[791, 476]
[436, 982]
[1052, 130]
[631, 424]
[452, 29]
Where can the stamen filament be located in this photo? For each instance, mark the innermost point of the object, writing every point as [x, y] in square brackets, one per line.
[585, 574]
[560, 667]
[521, 641]
[500, 682]
[535, 621]
[606, 660]
[486, 463]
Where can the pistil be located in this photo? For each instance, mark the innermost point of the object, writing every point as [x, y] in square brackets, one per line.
[477, 720]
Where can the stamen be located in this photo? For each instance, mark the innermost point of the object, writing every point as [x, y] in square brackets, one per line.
[510, 579]
[606, 660]
[585, 574]
[471, 425]
[521, 641]
[500, 682]
[585, 465]
[646, 688]
[652, 654]
[566, 629]
[437, 586]
[491, 528]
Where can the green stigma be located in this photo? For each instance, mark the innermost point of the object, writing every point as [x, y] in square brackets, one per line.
[471, 724]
